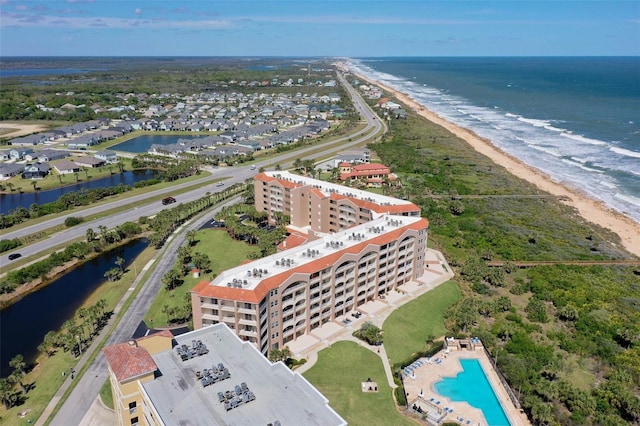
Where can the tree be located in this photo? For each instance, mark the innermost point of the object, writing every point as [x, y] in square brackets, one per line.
[35, 185]
[6, 393]
[202, 261]
[91, 235]
[113, 274]
[120, 263]
[191, 237]
[465, 314]
[370, 333]
[172, 279]
[103, 233]
[276, 355]
[18, 364]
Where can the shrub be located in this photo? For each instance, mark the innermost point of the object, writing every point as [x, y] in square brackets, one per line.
[6, 245]
[73, 221]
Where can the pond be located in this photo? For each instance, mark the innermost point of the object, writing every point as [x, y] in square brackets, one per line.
[144, 142]
[12, 201]
[25, 323]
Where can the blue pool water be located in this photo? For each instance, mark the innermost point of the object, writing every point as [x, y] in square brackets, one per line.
[471, 386]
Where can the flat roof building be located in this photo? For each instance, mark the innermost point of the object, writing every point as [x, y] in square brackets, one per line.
[272, 301]
[209, 377]
[318, 206]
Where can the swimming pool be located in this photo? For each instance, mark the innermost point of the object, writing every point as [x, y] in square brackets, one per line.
[471, 386]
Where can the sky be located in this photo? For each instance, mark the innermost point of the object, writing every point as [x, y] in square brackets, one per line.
[353, 28]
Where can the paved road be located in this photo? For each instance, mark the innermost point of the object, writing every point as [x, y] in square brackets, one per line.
[88, 387]
[85, 392]
[231, 175]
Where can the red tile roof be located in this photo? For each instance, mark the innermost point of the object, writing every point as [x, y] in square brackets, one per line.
[293, 240]
[204, 289]
[128, 361]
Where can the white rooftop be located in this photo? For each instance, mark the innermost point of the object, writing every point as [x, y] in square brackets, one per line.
[280, 394]
[331, 188]
[248, 276]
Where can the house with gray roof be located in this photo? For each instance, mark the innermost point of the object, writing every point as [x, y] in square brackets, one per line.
[10, 170]
[36, 170]
[108, 157]
[66, 167]
[20, 153]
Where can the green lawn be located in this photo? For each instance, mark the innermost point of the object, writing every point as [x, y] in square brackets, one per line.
[406, 329]
[338, 373]
[224, 252]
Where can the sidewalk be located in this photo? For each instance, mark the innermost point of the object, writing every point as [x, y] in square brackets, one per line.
[95, 345]
[375, 311]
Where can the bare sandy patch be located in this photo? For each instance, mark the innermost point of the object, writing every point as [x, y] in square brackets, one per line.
[15, 129]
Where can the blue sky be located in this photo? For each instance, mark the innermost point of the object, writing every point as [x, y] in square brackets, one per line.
[318, 28]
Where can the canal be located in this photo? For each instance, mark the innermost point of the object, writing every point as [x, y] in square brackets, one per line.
[24, 324]
[10, 202]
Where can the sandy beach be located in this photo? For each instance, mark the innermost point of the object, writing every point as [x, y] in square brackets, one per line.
[592, 210]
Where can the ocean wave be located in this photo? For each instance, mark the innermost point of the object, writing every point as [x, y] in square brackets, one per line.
[625, 152]
[564, 154]
[628, 198]
[583, 139]
[608, 184]
[583, 167]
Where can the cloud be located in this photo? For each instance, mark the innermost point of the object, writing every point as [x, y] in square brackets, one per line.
[137, 11]
[42, 21]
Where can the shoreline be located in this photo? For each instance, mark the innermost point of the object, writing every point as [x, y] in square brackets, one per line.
[590, 209]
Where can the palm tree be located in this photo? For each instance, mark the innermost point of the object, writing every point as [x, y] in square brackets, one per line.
[76, 174]
[6, 393]
[91, 235]
[120, 263]
[10, 186]
[17, 363]
[35, 185]
[191, 237]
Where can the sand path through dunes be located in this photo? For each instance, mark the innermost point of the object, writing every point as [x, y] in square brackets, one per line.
[592, 210]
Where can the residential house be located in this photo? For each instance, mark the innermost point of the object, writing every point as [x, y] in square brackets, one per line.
[90, 162]
[20, 153]
[108, 157]
[36, 170]
[66, 167]
[372, 175]
[10, 170]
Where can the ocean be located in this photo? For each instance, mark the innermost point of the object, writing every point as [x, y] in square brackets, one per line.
[576, 119]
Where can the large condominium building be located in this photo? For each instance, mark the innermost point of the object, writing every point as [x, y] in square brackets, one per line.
[318, 206]
[272, 301]
[208, 377]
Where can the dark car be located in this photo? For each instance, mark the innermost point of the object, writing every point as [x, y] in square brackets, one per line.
[14, 256]
[168, 200]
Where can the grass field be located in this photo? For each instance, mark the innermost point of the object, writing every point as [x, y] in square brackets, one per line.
[224, 253]
[338, 374]
[406, 329]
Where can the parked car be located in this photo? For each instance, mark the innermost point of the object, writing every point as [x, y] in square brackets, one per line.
[14, 256]
[168, 200]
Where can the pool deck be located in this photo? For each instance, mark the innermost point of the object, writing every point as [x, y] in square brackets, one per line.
[376, 311]
[419, 385]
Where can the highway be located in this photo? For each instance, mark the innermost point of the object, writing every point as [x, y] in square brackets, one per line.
[231, 175]
[89, 384]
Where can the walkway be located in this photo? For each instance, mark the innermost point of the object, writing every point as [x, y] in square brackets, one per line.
[375, 311]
